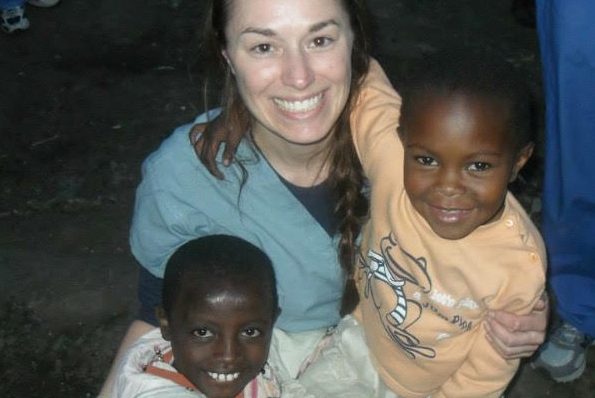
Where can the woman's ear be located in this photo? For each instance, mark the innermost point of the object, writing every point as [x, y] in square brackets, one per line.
[521, 159]
[224, 54]
[163, 323]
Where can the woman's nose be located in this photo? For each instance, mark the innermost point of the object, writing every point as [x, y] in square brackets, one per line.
[297, 70]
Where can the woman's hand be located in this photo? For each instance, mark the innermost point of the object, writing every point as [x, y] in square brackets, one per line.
[518, 336]
[207, 138]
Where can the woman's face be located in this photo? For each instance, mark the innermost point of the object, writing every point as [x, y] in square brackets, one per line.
[292, 64]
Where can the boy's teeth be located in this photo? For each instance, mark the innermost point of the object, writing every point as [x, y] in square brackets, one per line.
[224, 377]
[299, 106]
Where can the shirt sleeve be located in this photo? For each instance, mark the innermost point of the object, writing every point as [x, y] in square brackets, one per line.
[376, 116]
[485, 373]
[165, 215]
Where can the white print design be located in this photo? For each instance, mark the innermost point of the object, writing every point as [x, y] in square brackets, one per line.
[444, 299]
[385, 268]
[468, 303]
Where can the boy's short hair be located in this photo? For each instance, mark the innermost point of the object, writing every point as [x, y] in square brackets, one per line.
[218, 258]
[483, 75]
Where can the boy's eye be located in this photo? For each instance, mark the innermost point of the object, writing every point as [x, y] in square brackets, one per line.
[479, 166]
[251, 332]
[202, 332]
[426, 160]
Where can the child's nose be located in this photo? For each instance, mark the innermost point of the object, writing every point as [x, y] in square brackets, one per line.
[228, 349]
[450, 183]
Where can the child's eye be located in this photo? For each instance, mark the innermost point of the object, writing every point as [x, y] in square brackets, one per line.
[202, 332]
[426, 160]
[479, 166]
[322, 41]
[251, 332]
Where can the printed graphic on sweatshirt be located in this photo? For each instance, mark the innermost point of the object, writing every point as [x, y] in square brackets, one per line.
[406, 311]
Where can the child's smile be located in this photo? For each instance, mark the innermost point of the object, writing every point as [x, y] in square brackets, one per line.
[459, 160]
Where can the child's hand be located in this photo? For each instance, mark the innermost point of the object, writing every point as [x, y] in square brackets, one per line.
[207, 138]
[518, 336]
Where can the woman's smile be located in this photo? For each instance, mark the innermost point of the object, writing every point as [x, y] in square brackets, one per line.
[298, 107]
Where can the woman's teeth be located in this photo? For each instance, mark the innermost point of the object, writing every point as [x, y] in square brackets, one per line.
[299, 106]
[224, 377]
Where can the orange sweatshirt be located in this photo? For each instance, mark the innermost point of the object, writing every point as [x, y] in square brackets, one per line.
[424, 298]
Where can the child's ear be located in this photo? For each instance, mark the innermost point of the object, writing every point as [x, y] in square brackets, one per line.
[163, 322]
[521, 159]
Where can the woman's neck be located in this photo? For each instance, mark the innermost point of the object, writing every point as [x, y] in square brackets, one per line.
[304, 165]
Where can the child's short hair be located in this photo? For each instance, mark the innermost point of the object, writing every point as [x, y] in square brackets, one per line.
[213, 258]
[484, 76]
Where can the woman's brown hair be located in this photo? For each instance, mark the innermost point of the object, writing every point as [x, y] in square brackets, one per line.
[345, 171]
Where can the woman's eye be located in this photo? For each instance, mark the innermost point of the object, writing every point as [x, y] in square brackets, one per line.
[321, 41]
[479, 166]
[262, 48]
[251, 332]
[202, 332]
[426, 160]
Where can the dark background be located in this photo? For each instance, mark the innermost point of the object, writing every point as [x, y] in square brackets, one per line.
[85, 95]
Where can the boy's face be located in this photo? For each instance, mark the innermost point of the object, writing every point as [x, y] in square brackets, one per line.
[459, 159]
[220, 335]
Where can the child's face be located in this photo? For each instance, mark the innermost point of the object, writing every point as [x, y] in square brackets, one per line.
[220, 336]
[459, 160]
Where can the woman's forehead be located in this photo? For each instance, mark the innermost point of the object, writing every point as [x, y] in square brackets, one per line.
[277, 16]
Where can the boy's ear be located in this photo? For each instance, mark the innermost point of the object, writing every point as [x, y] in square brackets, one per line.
[521, 159]
[163, 322]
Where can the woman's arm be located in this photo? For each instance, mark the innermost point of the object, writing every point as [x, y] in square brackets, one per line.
[518, 336]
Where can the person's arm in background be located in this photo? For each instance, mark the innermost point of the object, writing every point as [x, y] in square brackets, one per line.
[377, 113]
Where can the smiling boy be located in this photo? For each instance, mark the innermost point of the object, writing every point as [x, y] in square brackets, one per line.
[216, 322]
[446, 242]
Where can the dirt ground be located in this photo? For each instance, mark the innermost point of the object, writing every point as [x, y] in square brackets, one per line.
[85, 95]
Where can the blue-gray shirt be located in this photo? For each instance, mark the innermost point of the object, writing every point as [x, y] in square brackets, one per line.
[179, 200]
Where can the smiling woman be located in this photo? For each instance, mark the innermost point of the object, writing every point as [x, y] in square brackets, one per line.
[292, 69]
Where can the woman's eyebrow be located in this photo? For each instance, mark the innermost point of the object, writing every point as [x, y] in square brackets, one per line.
[270, 32]
[321, 25]
[259, 31]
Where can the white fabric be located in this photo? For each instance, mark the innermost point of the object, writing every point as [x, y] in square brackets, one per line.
[342, 367]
